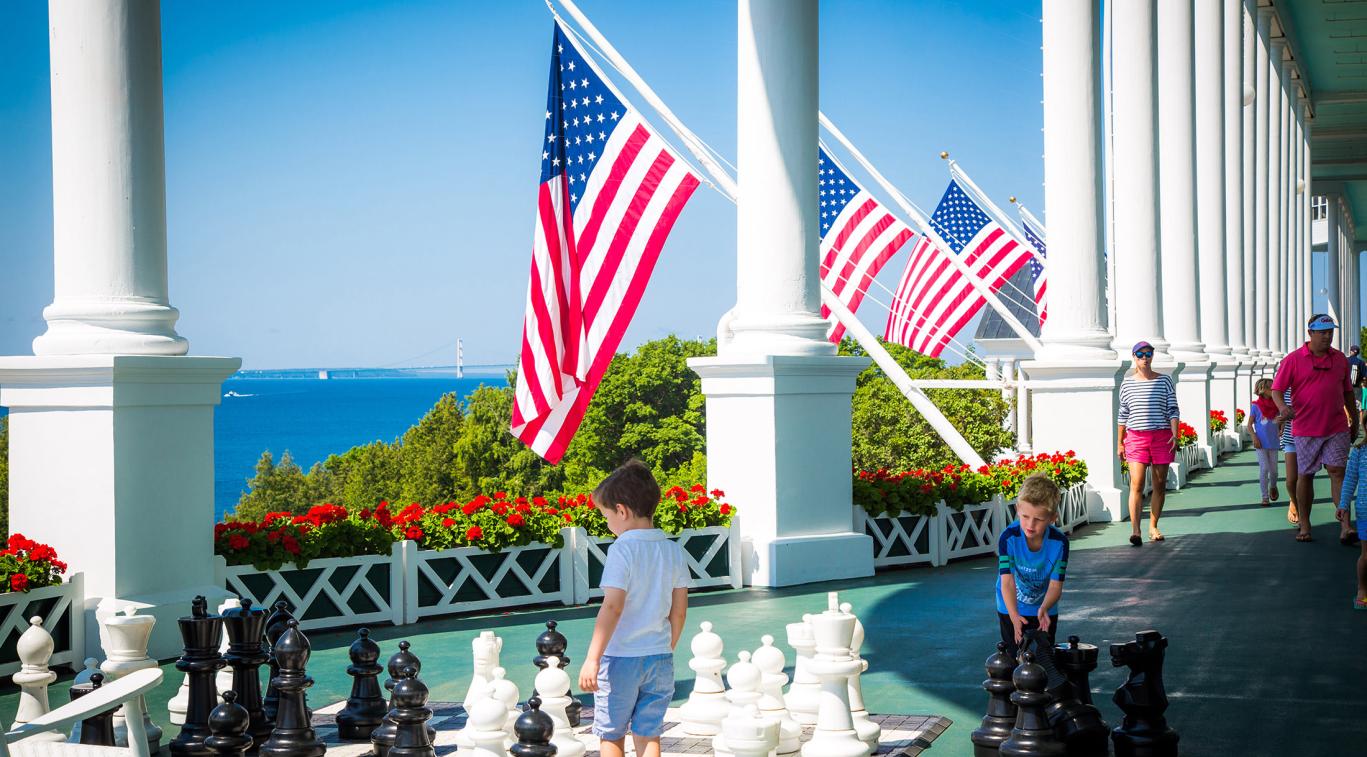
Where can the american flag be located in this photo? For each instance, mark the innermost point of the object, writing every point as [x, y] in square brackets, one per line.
[1035, 238]
[857, 237]
[934, 301]
[610, 192]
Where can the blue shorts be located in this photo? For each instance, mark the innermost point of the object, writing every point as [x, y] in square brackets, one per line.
[633, 693]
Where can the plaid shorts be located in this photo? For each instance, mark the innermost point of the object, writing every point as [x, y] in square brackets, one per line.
[1315, 451]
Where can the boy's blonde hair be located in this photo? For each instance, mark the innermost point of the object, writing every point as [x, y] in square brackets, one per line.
[1041, 491]
[1262, 385]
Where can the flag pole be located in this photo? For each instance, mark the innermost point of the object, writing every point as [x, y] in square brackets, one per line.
[955, 172]
[725, 182]
[1031, 219]
[920, 222]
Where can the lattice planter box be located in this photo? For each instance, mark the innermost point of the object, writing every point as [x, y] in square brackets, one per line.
[713, 559]
[1072, 508]
[330, 592]
[900, 540]
[62, 608]
[974, 530]
[468, 579]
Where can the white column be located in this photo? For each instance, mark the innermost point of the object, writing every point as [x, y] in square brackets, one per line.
[108, 183]
[1248, 133]
[1276, 246]
[1333, 257]
[1298, 313]
[1262, 305]
[1210, 175]
[1307, 233]
[1232, 104]
[1138, 265]
[1073, 187]
[778, 399]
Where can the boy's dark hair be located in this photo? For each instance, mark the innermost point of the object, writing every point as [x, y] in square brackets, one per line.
[632, 486]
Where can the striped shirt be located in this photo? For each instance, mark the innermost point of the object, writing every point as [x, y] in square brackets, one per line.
[1287, 440]
[1147, 405]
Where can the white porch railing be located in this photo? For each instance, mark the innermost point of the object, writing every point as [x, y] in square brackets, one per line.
[62, 608]
[328, 592]
[713, 559]
[467, 579]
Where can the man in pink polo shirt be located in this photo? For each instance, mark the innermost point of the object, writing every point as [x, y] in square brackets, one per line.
[1317, 375]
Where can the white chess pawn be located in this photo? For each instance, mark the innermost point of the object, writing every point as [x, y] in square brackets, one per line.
[506, 693]
[127, 635]
[835, 736]
[868, 730]
[804, 696]
[750, 734]
[553, 686]
[706, 706]
[34, 648]
[486, 648]
[745, 680]
[769, 659]
[484, 727]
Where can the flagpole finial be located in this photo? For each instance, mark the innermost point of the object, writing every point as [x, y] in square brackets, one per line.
[944, 155]
[1012, 199]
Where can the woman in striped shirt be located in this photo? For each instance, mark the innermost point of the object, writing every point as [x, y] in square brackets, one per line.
[1147, 436]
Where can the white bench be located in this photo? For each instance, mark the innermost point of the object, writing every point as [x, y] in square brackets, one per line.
[127, 691]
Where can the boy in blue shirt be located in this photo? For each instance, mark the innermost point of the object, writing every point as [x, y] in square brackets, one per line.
[630, 663]
[1355, 487]
[1032, 558]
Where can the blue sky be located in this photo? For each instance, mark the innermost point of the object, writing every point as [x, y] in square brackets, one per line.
[352, 182]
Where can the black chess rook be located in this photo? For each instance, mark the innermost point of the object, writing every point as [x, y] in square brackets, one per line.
[293, 735]
[534, 730]
[552, 643]
[246, 628]
[1001, 713]
[1031, 736]
[202, 634]
[228, 728]
[1075, 721]
[365, 708]
[1144, 731]
[412, 737]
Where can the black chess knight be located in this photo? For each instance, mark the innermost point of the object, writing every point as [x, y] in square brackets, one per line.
[365, 708]
[1144, 732]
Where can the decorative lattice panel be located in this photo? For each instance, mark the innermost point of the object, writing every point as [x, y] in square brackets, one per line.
[62, 609]
[332, 592]
[713, 556]
[1072, 508]
[971, 531]
[900, 539]
[467, 579]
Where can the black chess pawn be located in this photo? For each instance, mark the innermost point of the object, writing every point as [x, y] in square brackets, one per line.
[201, 633]
[382, 738]
[413, 738]
[98, 729]
[1075, 721]
[552, 643]
[293, 735]
[534, 730]
[1001, 713]
[365, 708]
[246, 627]
[275, 625]
[1031, 736]
[228, 728]
[1144, 731]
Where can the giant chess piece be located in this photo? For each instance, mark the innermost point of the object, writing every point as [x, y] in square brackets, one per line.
[1144, 732]
[246, 627]
[804, 695]
[706, 706]
[98, 729]
[745, 680]
[771, 663]
[275, 625]
[750, 734]
[382, 738]
[414, 738]
[868, 730]
[293, 735]
[365, 708]
[92, 666]
[534, 731]
[34, 649]
[1001, 713]
[127, 635]
[485, 648]
[553, 687]
[201, 633]
[552, 643]
[484, 728]
[506, 693]
[833, 663]
[228, 724]
[1031, 736]
[224, 681]
[1076, 722]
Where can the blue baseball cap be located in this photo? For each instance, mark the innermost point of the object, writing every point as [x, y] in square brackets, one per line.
[1321, 322]
[1140, 345]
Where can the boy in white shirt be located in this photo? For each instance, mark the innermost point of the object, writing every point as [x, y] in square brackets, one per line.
[630, 663]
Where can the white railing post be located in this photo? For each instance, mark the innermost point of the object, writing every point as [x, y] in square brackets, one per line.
[406, 561]
[76, 617]
[580, 568]
[398, 582]
[568, 595]
[939, 527]
[733, 551]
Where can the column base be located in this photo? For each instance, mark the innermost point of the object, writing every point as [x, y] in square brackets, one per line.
[1192, 381]
[122, 327]
[792, 560]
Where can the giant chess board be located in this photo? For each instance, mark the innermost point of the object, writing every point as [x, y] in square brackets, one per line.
[903, 735]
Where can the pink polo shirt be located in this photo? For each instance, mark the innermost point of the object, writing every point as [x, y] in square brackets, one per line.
[1317, 385]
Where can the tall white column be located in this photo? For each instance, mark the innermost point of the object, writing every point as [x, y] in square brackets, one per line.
[1333, 259]
[1262, 305]
[1276, 246]
[1210, 175]
[1073, 187]
[1232, 105]
[1307, 259]
[108, 184]
[1138, 265]
[1297, 222]
[1248, 134]
[778, 399]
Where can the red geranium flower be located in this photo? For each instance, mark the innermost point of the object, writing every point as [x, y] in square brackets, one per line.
[448, 522]
[413, 532]
[238, 541]
[18, 582]
[725, 509]
[474, 533]
[516, 520]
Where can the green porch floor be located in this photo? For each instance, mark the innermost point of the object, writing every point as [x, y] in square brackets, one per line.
[1266, 655]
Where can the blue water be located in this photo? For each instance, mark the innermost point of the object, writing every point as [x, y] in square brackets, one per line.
[313, 419]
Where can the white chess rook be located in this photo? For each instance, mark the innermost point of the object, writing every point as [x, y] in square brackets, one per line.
[751, 734]
[771, 663]
[706, 706]
[745, 680]
[804, 696]
[834, 665]
[35, 651]
[868, 730]
[127, 635]
[553, 686]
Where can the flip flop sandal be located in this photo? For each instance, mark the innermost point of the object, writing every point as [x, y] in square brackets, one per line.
[1155, 535]
[1292, 516]
[1359, 604]
[1301, 536]
[1135, 541]
[1266, 503]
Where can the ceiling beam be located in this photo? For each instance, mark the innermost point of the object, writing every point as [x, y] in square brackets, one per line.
[1341, 133]
[1340, 97]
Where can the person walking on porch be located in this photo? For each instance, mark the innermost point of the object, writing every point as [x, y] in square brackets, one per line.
[1147, 436]
[1325, 416]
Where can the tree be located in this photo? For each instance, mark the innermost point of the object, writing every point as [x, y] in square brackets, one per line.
[427, 458]
[276, 487]
[489, 459]
[372, 475]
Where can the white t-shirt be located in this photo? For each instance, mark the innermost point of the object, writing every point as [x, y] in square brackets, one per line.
[648, 566]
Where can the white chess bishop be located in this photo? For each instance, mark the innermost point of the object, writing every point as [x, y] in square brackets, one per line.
[868, 730]
[706, 706]
[834, 665]
[126, 635]
[553, 686]
[769, 659]
[804, 696]
[34, 648]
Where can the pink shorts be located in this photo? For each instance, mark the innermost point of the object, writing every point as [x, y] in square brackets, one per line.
[1149, 447]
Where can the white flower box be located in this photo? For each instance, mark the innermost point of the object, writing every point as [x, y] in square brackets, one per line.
[62, 608]
[328, 592]
[468, 579]
[900, 540]
[713, 558]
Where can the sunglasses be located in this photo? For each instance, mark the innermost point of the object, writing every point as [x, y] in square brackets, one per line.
[1146, 354]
